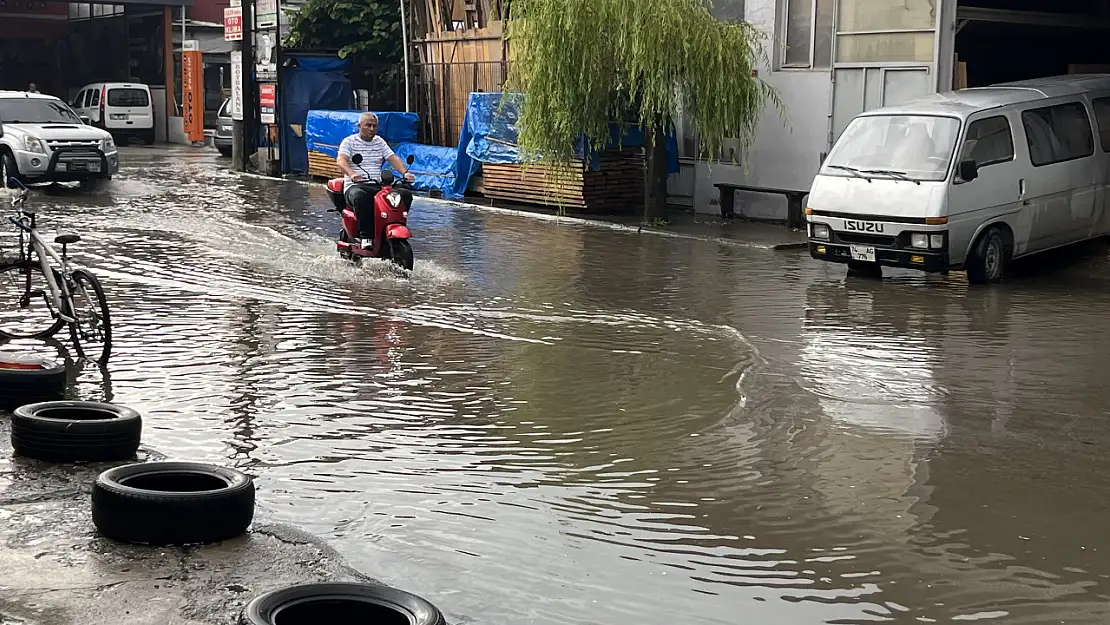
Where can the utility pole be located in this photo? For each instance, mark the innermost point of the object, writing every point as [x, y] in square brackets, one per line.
[249, 125]
[238, 88]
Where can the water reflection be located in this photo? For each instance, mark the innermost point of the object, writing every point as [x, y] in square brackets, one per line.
[553, 424]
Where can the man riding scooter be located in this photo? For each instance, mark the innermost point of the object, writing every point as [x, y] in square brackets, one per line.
[361, 183]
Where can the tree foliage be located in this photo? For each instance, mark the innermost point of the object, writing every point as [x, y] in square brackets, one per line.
[584, 63]
[368, 29]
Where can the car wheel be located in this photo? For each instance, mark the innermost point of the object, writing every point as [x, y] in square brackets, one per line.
[76, 431]
[225, 152]
[989, 258]
[312, 604]
[172, 503]
[8, 169]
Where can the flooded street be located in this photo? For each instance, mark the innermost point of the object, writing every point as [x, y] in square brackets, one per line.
[557, 424]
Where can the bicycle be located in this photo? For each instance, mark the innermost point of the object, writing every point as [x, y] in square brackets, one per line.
[65, 289]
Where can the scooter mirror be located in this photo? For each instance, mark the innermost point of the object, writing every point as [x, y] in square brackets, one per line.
[356, 159]
[411, 159]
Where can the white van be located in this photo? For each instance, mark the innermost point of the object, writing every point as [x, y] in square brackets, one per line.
[967, 180]
[122, 108]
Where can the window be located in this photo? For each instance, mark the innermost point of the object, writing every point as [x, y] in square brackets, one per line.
[989, 141]
[807, 34]
[873, 31]
[95, 99]
[79, 101]
[1102, 118]
[128, 97]
[36, 111]
[225, 109]
[1058, 133]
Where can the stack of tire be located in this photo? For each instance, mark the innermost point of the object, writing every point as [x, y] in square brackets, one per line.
[188, 503]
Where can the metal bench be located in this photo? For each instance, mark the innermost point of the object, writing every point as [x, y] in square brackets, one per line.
[794, 199]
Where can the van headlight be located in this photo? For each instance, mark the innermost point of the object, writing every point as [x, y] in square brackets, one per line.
[936, 241]
[919, 241]
[820, 231]
[34, 144]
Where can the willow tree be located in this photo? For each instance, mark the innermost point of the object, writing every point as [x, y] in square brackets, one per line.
[583, 64]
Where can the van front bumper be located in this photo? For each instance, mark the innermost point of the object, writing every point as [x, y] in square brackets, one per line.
[921, 260]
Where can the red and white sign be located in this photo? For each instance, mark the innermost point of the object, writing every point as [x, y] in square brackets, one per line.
[233, 24]
[267, 100]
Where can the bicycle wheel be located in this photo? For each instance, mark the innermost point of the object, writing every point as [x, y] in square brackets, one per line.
[92, 333]
[26, 311]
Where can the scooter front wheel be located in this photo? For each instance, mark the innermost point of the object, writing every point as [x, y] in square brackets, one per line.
[400, 252]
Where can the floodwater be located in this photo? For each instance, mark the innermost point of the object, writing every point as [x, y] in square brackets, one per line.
[556, 424]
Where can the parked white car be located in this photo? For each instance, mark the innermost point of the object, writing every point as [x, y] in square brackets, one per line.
[122, 108]
[43, 140]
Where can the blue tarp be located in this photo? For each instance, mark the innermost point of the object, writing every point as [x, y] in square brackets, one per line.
[314, 83]
[325, 129]
[434, 168]
[490, 133]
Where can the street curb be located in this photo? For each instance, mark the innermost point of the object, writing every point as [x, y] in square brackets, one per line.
[578, 221]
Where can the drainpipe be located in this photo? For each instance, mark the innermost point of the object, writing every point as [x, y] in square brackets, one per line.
[405, 44]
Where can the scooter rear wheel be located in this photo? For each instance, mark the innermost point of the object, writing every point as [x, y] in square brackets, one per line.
[348, 255]
[400, 252]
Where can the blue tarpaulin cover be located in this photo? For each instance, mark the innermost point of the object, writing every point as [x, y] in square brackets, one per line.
[325, 129]
[433, 167]
[490, 134]
[314, 83]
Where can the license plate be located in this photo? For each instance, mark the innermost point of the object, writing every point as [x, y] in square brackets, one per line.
[62, 167]
[865, 253]
[118, 116]
[95, 167]
[863, 226]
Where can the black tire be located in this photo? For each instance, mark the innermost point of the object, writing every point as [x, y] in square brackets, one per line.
[348, 255]
[8, 169]
[989, 258]
[226, 152]
[22, 275]
[93, 337]
[148, 138]
[19, 387]
[317, 604]
[172, 503]
[76, 431]
[400, 252]
[865, 270]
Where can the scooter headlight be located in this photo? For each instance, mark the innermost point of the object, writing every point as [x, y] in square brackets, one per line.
[394, 199]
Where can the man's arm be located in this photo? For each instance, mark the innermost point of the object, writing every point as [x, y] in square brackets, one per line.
[400, 166]
[344, 160]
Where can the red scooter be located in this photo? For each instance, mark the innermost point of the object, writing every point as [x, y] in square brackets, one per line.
[391, 212]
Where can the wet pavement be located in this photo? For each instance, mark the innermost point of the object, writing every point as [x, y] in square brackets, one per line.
[556, 423]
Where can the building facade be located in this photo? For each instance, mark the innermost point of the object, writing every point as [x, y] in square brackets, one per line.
[833, 59]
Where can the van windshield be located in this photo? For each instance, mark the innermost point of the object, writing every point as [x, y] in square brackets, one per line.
[917, 147]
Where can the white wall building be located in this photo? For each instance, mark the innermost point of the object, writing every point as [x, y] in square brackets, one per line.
[832, 59]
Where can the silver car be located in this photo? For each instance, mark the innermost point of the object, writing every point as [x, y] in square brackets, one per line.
[222, 140]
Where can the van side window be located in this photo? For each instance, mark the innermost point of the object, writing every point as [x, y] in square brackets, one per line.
[1102, 118]
[95, 97]
[989, 141]
[1058, 133]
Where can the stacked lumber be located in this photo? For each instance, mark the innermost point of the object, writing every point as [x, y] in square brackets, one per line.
[323, 166]
[616, 188]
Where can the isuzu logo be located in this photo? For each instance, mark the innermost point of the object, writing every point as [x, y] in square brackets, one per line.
[863, 226]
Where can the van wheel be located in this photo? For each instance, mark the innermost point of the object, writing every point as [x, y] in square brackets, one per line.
[865, 270]
[988, 259]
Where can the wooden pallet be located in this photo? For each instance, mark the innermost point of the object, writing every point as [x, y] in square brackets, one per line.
[617, 187]
[323, 166]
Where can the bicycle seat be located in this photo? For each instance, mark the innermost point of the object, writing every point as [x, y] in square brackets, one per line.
[67, 238]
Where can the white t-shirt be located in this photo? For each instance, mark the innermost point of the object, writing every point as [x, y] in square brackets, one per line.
[374, 152]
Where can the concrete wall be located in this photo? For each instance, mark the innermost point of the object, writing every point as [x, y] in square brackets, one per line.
[787, 150]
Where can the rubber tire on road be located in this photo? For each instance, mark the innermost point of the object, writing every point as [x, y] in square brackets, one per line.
[172, 503]
[328, 603]
[8, 170]
[987, 262]
[400, 252]
[81, 431]
[28, 386]
[865, 270]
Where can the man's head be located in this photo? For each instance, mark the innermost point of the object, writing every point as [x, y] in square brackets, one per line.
[367, 126]
[32, 88]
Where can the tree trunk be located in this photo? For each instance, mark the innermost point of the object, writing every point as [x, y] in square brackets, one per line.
[655, 187]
